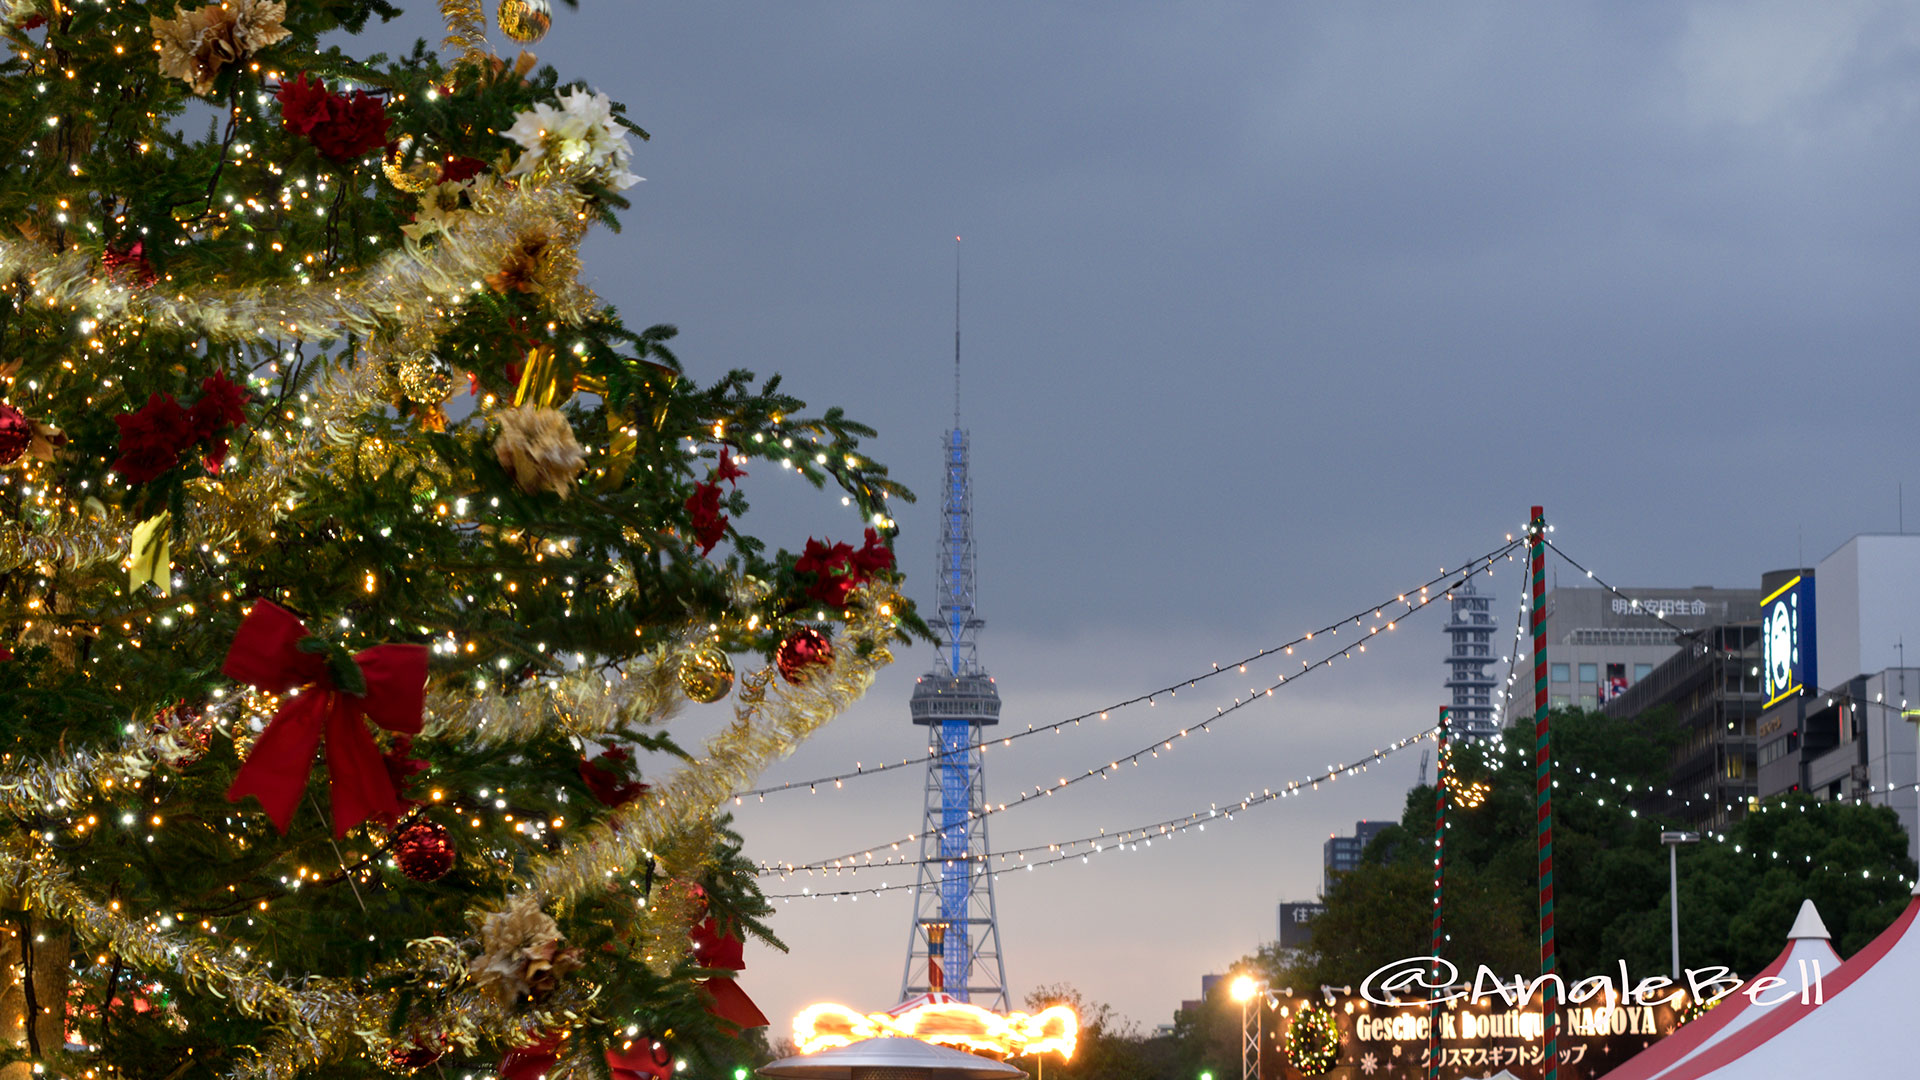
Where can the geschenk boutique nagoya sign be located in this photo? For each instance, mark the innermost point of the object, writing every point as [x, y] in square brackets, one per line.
[1383, 1030]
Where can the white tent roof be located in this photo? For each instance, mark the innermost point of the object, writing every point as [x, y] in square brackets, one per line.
[1808, 950]
[890, 1056]
[937, 997]
[1860, 1030]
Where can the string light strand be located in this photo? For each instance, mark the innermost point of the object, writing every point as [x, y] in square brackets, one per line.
[837, 780]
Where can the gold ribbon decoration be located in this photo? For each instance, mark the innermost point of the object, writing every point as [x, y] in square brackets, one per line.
[152, 554]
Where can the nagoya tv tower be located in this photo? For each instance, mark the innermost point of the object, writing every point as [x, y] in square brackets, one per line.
[954, 943]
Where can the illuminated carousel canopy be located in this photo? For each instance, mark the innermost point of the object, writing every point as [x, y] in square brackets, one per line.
[890, 1058]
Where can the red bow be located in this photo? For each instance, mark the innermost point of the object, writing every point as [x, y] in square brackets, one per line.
[266, 654]
[712, 948]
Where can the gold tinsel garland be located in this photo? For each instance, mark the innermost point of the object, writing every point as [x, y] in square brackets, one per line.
[406, 286]
[382, 305]
[467, 30]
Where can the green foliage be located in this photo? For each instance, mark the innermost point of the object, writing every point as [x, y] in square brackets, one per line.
[396, 524]
[1738, 893]
[1111, 1047]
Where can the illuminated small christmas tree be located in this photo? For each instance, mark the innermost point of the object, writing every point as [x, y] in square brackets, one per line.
[352, 553]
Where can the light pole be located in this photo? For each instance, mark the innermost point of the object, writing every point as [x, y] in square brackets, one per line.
[1245, 989]
[1673, 840]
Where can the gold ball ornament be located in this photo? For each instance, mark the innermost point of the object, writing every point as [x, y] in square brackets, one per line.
[525, 21]
[706, 674]
[421, 175]
[425, 379]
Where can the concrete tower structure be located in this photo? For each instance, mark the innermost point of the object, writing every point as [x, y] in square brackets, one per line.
[1470, 629]
[953, 945]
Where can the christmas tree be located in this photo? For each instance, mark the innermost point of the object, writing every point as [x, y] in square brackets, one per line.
[353, 554]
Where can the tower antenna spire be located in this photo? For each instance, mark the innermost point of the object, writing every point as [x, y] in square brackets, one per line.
[956, 332]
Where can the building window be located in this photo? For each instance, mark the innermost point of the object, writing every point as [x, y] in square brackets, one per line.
[1561, 672]
[1641, 671]
[1590, 673]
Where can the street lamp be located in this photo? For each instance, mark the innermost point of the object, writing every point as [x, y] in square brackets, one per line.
[1245, 989]
[1673, 840]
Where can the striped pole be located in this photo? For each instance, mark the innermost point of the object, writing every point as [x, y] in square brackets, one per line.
[1543, 792]
[1440, 785]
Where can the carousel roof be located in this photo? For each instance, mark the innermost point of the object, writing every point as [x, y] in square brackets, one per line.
[890, 1058]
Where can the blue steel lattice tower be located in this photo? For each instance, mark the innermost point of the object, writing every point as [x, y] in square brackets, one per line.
[1470, 631]
[954, 943]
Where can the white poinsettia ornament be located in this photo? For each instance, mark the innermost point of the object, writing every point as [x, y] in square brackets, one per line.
[581, 131]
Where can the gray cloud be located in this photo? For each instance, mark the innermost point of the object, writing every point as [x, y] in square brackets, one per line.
[1270, 310]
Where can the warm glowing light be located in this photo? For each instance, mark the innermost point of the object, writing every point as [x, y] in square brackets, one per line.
[1243, 988]
[948, 1023]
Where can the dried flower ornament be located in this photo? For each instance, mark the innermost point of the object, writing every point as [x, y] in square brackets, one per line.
[522, 954]
[537, 446]
[195, 45]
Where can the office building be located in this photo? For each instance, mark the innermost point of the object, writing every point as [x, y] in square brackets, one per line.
[1713, 686]
[1296, 922]
[1600, 643]
[1837, 679]
[1342, 853]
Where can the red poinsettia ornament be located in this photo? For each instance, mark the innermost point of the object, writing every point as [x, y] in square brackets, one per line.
[607, 781]
[16, 434]
[129, 264]
[709, 524]
[836, 570]
[345, 127]
[151, 438]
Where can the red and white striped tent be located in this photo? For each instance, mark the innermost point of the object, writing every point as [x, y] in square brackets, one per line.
[1862, 1028]
[1809, 956]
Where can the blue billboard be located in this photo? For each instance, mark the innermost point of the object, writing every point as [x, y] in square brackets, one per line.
[1787, 640]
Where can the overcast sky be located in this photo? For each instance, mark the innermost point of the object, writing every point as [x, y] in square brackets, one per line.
[1271, 310]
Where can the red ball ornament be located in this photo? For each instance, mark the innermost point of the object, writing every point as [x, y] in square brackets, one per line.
[800, 652]
[409, 1058]
[15, 434]
[424, 851]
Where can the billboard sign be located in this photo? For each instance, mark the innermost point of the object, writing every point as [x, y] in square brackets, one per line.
[1787, 640]
[1464, 1041]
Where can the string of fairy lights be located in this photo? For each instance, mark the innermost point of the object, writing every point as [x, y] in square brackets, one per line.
[1513, 654]
[1422, 594]
[1151, 751]
[1100, 843]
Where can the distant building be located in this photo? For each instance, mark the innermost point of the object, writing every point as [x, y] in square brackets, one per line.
[1296, 922]
[1714, 688]
[1837, 678]
[1342, 853]
[1471, 653]
[1599, 644]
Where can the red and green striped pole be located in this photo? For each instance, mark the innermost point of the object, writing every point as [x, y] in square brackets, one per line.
[1543, 792]
[1441, 782]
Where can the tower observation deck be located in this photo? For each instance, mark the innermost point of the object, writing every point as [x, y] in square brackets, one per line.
[953, 945]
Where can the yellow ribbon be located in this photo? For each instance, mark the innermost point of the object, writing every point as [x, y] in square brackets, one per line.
[152, 552]
[539, 379]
